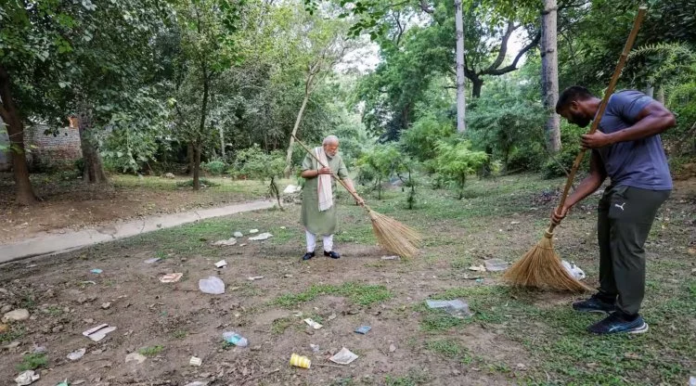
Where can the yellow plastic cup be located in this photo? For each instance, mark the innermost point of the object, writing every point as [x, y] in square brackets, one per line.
[300, 361]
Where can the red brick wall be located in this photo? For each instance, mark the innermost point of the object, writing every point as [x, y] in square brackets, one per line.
[59, 149]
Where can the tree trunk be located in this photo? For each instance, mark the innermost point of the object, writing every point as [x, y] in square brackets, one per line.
[661, 95]
[461, 102]
[477, 86]
[24, 193]
[549, 74]
[288, 157]
[94, 169]
[191, 159]
[197, 167]
[222, 142]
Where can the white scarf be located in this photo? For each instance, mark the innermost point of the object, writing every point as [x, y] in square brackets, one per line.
[324, 183]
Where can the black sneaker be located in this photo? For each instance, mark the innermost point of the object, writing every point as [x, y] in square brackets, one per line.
[617, 323]
[308, 256]
[332, 254]
[595, 304]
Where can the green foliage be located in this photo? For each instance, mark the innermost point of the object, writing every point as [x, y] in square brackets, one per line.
[378, 165]
[151, 351]
[510, 124]
[215, 167]
[361, 294]
[259, 165]
[33, 362]
[421, 140]
[560, 164]
[457, 161]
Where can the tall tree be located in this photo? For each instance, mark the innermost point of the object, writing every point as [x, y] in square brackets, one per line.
[461, 102]
[549, 73]
[207, 34]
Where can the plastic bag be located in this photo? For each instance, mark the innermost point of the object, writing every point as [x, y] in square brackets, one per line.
[574, 270]
[212, 285]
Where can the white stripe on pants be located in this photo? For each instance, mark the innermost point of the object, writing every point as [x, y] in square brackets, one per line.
[312, 242]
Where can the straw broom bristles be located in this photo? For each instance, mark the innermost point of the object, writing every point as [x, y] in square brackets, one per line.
[542, 268]
[394, 236]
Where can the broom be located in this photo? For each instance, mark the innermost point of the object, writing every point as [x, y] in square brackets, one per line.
[541, 267]
[392, 235]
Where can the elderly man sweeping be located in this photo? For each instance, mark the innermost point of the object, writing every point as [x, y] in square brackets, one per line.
[318, 207]
[627, 149]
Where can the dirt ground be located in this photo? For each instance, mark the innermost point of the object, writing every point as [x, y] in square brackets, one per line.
[514, 336]
[70, 204]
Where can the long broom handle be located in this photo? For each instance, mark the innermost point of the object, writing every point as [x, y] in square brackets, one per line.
[355, 195]
[603, 105]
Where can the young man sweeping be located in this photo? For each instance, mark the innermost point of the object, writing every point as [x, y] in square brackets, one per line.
[318, 208]
[627, 149]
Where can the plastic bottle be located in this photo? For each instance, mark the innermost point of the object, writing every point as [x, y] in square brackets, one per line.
[235, 339]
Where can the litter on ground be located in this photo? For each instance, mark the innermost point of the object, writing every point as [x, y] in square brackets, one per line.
[212, 285]
[496, 265]
[229, 242]
[98, 333]
[313, 324]
[363, 330]
[457, 308]
[262, 236]
[343, 357]
[77, 354]
[27, 378]
[171, 277]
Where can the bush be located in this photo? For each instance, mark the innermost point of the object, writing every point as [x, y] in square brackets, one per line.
[215, 167]
[570, 137]
[420, 141]
[380, 164]
[456, 161]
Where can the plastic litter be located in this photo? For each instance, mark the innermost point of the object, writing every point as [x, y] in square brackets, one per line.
[253, 231]
[252, 278]
[262, 236]
[97, 271]
[300, 361]
[477, 268]
[313, 324]
[153, 260]
[496, 265]
[135, 357]
[314, 347]
[229, 242]
[573, 270]
[171, 277]
[692, 381]
[27, 378]
[238, 234]
[343, 357]
[221, 264]
[457, 307]
[235, 339]
[391, 258]
[64, 383]
[39, 350]
[195, 361]
[76, 355]
[212, 285]
[363, 330]
[197, 383]
[98, 333]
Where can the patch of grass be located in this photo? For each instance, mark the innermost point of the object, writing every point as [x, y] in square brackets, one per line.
[361, 294]
[151, 351]
[28, 302]
[343, 382]
[54, 311]
[32, 362]
[414, 378]
[447, 348]
[13, 334]
[179, 334]
[204, 183]
[279, 326]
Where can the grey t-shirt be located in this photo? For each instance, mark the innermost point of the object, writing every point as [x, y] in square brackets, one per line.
[642, 163]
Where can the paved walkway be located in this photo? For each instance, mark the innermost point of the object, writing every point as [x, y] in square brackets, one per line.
[57, 243]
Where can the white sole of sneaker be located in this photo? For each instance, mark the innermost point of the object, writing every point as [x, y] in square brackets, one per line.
[640, 330]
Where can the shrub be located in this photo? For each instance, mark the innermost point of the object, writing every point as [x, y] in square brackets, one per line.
[215, 167]
[456, 161]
